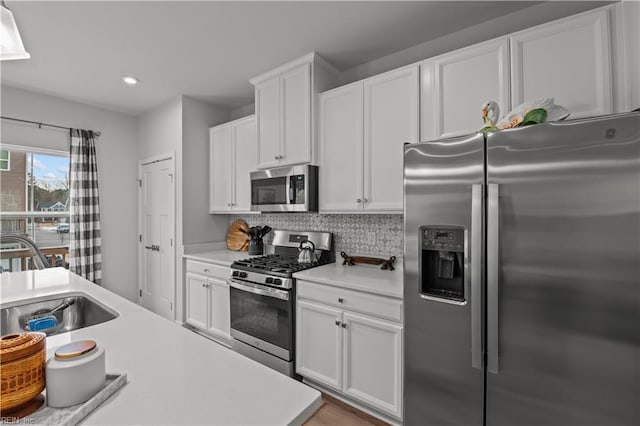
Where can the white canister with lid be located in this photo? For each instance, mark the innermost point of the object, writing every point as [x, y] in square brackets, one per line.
[75, 373]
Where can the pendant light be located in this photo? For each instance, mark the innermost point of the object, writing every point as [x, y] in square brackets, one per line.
[11, 46]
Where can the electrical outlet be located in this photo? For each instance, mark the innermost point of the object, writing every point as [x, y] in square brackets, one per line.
[371, 238]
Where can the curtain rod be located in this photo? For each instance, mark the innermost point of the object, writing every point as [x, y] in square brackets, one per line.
[41, 124]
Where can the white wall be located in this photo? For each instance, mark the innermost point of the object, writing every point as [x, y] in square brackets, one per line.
[116, 153]
[242, 111]
[181, 126]
[198, 225]
[160, 130]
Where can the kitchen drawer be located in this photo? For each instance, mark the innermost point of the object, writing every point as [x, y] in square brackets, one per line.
[350, 300]
[208, 269]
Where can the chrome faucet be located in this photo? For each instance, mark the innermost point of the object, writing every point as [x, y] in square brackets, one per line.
[39, 259]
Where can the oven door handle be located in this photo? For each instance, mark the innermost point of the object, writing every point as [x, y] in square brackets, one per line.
[258, 289]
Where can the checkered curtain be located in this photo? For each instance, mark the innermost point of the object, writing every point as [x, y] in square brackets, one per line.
[85, 258]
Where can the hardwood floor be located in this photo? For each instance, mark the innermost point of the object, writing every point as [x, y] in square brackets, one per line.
[336, 413]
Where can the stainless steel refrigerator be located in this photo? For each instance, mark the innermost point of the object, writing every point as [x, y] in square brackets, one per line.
[522, 276]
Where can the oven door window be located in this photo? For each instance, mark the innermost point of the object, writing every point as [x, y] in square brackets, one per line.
[266, 318]
[269, 191]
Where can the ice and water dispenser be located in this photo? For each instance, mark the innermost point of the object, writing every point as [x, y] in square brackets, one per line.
[442, 262]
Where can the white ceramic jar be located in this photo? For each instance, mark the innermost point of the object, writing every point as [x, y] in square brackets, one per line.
[75, 373]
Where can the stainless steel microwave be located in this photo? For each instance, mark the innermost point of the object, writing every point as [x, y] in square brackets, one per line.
[285, 189]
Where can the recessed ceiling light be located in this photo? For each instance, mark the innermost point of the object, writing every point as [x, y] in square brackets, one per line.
[132, 81]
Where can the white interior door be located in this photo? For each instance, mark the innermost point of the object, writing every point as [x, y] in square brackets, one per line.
[157, 236]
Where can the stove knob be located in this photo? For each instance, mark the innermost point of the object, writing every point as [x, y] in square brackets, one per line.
[277, 281]
[269, 280]
[242, 275]
[235, 273]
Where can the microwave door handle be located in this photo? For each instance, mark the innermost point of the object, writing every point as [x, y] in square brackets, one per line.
[289, 189]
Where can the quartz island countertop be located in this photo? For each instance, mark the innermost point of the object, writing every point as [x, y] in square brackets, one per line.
[174, 375]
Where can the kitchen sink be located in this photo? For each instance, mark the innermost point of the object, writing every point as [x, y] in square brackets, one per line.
[74, 311]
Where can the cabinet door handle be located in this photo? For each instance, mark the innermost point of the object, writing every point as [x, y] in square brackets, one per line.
[364, 200]
[344, 325]
[340, 300]
[338, 323]
[207, 271]
[358, 200]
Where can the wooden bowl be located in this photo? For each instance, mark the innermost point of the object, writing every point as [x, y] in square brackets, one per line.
[22, 360]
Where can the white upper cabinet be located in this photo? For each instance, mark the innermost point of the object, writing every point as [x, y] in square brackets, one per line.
[569, 60]
[362, 129]
[220, 163]
[295, 142]
[268, 109]
[342, 148]
[455, 85]
[285, 110]
[245, 160]
[233, 156]
[391, 118]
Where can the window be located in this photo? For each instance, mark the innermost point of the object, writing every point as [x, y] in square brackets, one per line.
[5, 160]
[34, 200]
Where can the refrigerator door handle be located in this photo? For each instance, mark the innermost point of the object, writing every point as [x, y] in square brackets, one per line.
[476, 276]
[493, 252]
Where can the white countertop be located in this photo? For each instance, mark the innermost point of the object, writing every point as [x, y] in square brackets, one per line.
[369, 278]
[175, 376]
[366, 278]
[218, 257]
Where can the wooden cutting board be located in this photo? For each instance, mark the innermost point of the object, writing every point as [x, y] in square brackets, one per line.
[236, 239]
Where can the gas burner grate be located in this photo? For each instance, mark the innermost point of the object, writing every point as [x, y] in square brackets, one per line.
[276, 264]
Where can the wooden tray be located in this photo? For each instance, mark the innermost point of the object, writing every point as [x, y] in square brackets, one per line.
[236, 239]
[352, 260]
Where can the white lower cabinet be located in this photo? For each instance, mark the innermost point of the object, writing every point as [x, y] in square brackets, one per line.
[319, 343]
[207, 299]
[197, 301]
[355, 354]
[372, 357]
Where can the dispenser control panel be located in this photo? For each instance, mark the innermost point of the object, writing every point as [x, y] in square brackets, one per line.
[449, 239]
[442, 263]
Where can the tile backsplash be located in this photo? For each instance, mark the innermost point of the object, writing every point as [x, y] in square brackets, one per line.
[352, 232]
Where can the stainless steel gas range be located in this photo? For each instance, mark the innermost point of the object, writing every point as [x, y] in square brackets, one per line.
[262, 292]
